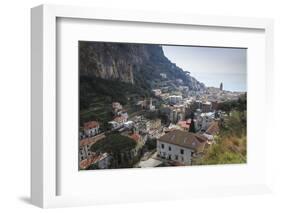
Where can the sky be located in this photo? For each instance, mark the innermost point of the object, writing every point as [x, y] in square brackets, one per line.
[212, 65]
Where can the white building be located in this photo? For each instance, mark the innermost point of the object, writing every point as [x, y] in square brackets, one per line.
[212, 130]
[129, 124]
[84, 149]
[157, 92]
[206, 106]
[180, 146]
[85, 145]
[163, 75]
[118, 122]
[123, 114]
[98, 160]
[102, 161]
[175, 99]
[151, 106]
[91, 128]
[204, 120]
[116, 106]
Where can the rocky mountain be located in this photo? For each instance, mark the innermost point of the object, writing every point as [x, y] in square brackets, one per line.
[136, 64]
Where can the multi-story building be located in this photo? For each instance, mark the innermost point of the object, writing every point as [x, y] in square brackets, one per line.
[204, 120]
[116, 106]
[91, 128]
[85, 145]
[206, 106]
[157, 92]
[98, 160]
[175, 99]
[180, 146]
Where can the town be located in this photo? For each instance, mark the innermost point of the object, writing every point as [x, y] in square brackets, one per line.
[172, 127]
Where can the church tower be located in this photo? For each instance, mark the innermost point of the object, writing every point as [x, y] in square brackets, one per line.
[221, 86]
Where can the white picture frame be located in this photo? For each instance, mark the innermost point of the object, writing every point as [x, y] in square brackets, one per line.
[44, 154]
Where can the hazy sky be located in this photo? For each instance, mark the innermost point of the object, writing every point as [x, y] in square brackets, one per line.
[212, 65]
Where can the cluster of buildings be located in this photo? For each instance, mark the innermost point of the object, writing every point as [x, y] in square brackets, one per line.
[176, 144]
[138, 128]
[87, 157]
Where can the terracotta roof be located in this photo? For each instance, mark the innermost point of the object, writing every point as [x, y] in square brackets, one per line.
[189, 121]
[85, 141]
[135, 136]
[185, 139]
[84, 164]
[92, 140]
[183, 124]
[91, 125]
[119, 119]
[213, 128]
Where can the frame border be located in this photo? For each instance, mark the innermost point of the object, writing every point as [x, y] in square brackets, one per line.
[43, 88]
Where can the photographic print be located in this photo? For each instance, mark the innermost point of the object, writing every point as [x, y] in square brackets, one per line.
[154, 105]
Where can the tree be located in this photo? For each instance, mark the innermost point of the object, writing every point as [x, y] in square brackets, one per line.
[192, 126]
[151, 144]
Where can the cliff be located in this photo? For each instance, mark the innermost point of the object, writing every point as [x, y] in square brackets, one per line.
[137, 64]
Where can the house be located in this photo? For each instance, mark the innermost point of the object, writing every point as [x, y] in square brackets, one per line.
[163, 75]
[206, 106]
[84, 149]
[151, 107]
[204, 120]
[129, 124]
[124, 114]
[175, 99]
[179, 81]
[118, 122]
[184, 125]
[114, 125]
[98, 160]
[180, 146]
[212, 131]
[120, 119]
[116, 106]
[157, 92]
[85, 145]
[91, 128]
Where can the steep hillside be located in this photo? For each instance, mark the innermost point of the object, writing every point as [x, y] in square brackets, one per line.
[122, 72]
[138, 64]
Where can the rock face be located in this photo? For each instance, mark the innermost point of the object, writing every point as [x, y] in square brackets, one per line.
[139, 64]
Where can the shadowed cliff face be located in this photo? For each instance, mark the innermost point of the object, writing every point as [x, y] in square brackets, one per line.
[131, 63]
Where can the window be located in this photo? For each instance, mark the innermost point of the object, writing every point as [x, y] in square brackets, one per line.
[162, 146]
[170, 148]
[176, 157]
[182, 151]
[169, 157]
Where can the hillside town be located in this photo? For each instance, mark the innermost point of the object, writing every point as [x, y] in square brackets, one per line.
[174, 126]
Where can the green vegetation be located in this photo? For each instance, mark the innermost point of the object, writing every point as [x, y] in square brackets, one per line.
[97, 95]
[111, 90]
[120, 147]
[231, 142]
[151, 144]
[192, 124]
[239, 105]
[114, 143]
